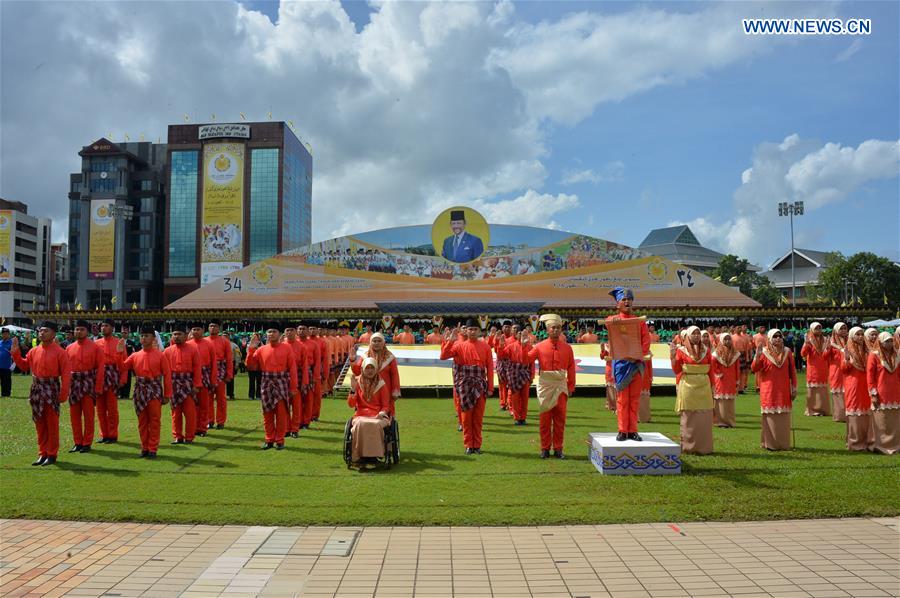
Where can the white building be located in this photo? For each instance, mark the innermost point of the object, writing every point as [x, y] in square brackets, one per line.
[25, 262]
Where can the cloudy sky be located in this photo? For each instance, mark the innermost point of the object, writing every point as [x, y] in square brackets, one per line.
[606, 119]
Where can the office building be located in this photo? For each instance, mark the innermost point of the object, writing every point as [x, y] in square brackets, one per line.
[25, 267]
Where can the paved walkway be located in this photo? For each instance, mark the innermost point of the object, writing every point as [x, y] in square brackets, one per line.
[821, 558]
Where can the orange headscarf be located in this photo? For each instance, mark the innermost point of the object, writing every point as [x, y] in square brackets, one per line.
[856, 349]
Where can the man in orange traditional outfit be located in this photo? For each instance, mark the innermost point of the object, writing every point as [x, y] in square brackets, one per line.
[435, 337]
[207, 354]
[556, 383]
[589, 337]
[302, 360]
[152, 387]
[187, 380]
[405, 338]
[222, 372]
[86, 362]
[513, 350]
[324, 366]
[313, 373]
[628, 373]
[473, 380]
[50, 376]
[108, 400]
[279, 383]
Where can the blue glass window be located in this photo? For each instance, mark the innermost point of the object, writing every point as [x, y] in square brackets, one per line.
[183, 214]
[264, 217]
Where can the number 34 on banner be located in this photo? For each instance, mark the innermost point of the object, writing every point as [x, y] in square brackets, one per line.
[232, 284]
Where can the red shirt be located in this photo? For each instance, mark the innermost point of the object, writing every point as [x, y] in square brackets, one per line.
[322, 356]
[404, 338]
[434, 339]
[301, 358]
[84, 355]
[205, 350]
[471, 352]
[47, 360]
[185, 358]
[278, 357]
[148, 363]
[554, 356]
[222, 348]
[108, 345]
[816, 363]
[775, 383]
[313, 357]
[380, 401]
[883, 381]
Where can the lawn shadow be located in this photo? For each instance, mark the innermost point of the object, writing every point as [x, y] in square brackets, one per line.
[82, 469]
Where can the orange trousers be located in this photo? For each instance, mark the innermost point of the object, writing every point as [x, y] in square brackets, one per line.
[218, 410]
[472, 421]
[184, 420]
[149, 426]
[47, 427]
[81, 414]
[203, 411]
[296, 415]
[316, 400]
[275, 423]
[504, 395]
[518, 402]
[108, 413]
[456, 406]
[628, 401]
[553, 425]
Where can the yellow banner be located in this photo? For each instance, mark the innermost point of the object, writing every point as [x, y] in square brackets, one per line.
[222, 237]
[6, 246]
[102, 240]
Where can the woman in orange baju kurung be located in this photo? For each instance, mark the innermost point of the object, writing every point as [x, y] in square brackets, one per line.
[858, 402]
[836, 346]
[726, 372]
[371, 400]
[883, 376]
[815, 352]
[777, 378]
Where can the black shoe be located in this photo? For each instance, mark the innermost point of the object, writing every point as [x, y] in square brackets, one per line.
[220, 426]
[201, 434]
[304, 427]
[267, 445]
[75, 449]
[186, 441]
[470, 451]
[503, 408]
[144, 454]
[635, 436]
[85, 448]
[40, 461]
[621, 436]
[178, 441]
[295, 434]
[102, 441]
[279, 447]
[315, 419]
[559, 454]
[112, 440]
[209, 426]
[48, 461]
[151, 455]
[545, 454]
[478, 451]
[459, 428]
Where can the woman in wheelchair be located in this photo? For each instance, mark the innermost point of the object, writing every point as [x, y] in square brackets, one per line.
[372, 400]
[385, 365]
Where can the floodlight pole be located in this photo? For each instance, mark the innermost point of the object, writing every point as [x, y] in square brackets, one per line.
[790, 209]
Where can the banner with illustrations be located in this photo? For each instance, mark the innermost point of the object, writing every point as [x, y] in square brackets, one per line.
[102, 240]
[516, 265]
[222, 222]
[6, 246]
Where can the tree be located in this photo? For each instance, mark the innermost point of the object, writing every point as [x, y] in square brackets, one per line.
[733, 270]
[873, 277]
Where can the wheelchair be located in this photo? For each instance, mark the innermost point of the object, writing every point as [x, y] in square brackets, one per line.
[391, 444]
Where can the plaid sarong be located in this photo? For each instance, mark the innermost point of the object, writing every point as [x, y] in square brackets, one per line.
[82, 384]
[307, 388]
[206, 377]
[517, 376]
[146, 390]
[470, 383]
[221, 371]
[274, 387]
[44, 391]
[110, 377]
[182, 385]
[503, 368]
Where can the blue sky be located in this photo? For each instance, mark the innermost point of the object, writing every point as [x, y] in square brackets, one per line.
[608, 119]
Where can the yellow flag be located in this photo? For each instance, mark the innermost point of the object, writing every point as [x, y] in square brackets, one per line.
[113, 300]
[104, 308]
[833, 303]
[186, 118]
[57, 307]
[142, 137]
[291, 124]
[269, 115]
[719, 278]
[134, 306]
[733, 279]
[77, 307]
[859, 300]
[843, 304]
[885, 299]
[242, 116]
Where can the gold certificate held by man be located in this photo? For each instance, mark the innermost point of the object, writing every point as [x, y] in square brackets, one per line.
[625, 338]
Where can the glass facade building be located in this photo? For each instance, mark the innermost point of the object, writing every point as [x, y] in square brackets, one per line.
[276, 197]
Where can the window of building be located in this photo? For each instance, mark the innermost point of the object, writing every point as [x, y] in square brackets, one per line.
[183, 214]
[102, 185]
[264, 217]
[25, 243]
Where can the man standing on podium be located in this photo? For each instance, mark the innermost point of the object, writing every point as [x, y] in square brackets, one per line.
[628, 373]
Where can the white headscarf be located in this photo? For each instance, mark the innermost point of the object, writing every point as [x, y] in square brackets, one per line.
[779, 359]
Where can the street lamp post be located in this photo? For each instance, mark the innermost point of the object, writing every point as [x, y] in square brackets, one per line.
[791, 209]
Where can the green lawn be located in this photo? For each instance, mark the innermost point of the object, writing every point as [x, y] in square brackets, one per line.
[225, 478]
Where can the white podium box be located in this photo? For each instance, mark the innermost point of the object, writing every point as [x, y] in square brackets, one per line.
[654, 455]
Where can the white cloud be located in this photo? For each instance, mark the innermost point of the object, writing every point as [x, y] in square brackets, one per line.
[612, 171]
[795, 169]
[849, 51]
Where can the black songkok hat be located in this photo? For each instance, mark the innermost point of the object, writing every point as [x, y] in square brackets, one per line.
[471, 323]
[51, 325]
[147, 328]
[109, 321]
[180, 327]
[457, 215]
[216, 321]
[82, 324]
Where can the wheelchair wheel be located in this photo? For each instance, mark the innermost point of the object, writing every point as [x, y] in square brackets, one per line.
[395, 444]
[348, 443]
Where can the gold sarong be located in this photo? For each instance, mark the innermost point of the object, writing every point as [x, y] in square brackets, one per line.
[694, 390]
[550, 385]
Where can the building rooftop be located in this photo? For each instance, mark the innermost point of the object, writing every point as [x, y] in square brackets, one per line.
[679, 244]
